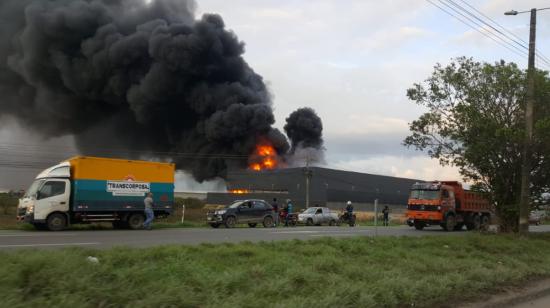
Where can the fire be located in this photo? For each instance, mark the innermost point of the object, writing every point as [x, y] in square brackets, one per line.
[239, 191]
[263, 158]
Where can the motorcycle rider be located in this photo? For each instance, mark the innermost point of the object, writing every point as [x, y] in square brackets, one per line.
[349, 212]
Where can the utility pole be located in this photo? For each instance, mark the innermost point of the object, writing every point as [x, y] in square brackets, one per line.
[525, 196]
[308, 173]
[527, 154]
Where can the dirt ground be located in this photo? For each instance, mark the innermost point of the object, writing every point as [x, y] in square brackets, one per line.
[534, 294]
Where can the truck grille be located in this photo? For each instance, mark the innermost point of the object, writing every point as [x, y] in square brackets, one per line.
[422, 207]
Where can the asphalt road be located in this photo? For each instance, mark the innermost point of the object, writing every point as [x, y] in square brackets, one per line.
[100, 239]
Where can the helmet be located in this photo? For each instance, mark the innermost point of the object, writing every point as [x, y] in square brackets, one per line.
[349, 202]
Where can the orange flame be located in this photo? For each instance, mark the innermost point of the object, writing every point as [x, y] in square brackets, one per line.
[263, 158]
[239, 191]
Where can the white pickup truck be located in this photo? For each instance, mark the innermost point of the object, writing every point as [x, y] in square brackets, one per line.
[318, 216]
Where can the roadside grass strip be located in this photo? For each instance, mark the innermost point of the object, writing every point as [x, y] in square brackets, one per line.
[324, 272]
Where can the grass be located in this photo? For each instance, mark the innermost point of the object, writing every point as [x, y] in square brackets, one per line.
[355, 272]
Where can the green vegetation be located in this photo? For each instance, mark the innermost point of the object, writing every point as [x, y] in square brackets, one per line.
[355, 272]
[475, 121]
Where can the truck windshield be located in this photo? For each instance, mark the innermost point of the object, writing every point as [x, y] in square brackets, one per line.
[34, 188]
[425, 194]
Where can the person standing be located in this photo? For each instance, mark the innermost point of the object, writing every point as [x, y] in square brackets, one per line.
[288, 211]
[275, 207]
[149, 214]
[386, 212]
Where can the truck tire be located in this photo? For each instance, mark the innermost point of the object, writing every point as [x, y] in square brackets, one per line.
[268, 222]
[484, 222]
[135, 221]
[56, 222]
[309, 222]
[230, 222]
[419, 225]
[476, 222]
[450, 223]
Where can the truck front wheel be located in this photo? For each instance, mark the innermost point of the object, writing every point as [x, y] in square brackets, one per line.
[57, 222]
[450, 223]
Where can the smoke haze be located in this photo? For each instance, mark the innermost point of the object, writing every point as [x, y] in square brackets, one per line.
[144, 77]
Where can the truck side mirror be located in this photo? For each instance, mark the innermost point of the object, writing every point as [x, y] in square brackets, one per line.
[37, 195]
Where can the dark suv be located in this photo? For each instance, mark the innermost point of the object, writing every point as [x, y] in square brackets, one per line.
[249, 211]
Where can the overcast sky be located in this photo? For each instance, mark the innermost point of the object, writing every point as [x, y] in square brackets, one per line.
[352, 61]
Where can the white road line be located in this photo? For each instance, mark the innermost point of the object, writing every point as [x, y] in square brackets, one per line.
[37, 235]
[293, 232]
[59, 244]
[337, 234]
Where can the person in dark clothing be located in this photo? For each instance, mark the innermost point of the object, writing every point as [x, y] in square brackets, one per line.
[275, 207]
[349, 209]
[386, 212]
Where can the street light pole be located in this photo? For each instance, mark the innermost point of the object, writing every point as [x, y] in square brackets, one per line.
[524, 204]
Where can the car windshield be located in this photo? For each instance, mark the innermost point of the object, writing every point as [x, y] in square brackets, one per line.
[311, 210]
[34, 188]
[235, 204]
[425, 194]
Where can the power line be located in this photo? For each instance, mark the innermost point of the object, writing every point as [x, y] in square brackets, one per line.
[472, 24]
[538, 52]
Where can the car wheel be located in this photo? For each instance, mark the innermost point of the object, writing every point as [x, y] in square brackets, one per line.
[215, 226]
[251, 225]
[309, 222]
[332, 222]
[57, 222]
[268, 222]
[230, 222]
[135, 221]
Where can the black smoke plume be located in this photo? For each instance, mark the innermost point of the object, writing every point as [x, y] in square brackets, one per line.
[146, 77]
[305, 129]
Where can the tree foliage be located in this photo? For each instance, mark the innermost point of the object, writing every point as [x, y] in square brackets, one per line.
[475, 121]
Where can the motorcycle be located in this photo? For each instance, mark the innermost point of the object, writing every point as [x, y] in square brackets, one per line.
[345, 218]
[292, 218]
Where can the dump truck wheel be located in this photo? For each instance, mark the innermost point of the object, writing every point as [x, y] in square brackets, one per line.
[56, 222]
[476, 222]
[450, 223]
[135, 221]
[484, 222]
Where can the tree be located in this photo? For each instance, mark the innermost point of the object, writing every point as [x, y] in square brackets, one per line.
[475, 121]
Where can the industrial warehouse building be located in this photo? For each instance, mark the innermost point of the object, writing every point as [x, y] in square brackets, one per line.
[328, 187]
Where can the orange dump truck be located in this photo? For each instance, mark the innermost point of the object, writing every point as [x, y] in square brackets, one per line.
[447, 204]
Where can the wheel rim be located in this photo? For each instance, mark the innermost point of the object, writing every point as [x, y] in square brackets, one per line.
[56, 222]
[230, 222]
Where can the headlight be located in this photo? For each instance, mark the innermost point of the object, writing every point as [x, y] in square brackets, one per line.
[221, 212]
[30, 209]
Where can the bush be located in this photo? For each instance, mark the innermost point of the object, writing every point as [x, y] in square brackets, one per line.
[8, 204]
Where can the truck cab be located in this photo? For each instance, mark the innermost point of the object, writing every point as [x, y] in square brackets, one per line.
[46, 202]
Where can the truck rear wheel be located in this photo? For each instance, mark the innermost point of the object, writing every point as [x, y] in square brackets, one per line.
[450, 223]
[475, 223]
[57, 222]
[135, 221]
[484, 222]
